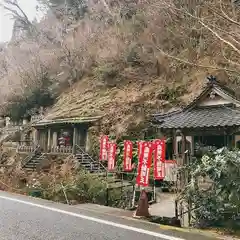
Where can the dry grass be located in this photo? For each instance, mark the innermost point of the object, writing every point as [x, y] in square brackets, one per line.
[13, 178]
[120, 106]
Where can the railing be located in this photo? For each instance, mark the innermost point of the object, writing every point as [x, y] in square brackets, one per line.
[78, 148]
[30, 156]
[25, 148]
[62, 149]
[36, 118]
[53, 149]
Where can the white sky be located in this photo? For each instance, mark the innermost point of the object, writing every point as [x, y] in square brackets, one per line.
[6, 24]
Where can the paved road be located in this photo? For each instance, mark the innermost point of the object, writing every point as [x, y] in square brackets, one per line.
[24, 218]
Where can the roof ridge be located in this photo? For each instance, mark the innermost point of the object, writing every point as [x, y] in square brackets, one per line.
[222, 116]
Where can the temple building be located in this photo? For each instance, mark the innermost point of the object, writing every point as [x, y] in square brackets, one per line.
[59, 135]
[210, 120]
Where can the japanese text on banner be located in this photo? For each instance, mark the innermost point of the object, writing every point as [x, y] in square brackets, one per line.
[103, 148]
[112, 149]
[128, 153]
[159, 159]
[144, 164]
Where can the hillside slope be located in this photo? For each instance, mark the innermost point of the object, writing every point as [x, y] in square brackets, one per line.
[125, 107]
[125, 67]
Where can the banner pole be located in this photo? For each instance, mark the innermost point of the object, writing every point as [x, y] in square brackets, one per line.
[154, 190]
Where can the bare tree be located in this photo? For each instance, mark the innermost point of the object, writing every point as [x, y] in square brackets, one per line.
[210, 24]
[17, 13]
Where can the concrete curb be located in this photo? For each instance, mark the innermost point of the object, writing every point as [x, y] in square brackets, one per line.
[207, 233]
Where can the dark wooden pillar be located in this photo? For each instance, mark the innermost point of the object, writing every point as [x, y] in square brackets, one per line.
[35, 137]
[182, 160]
[174, 144]
[74, 139]
[87, 141]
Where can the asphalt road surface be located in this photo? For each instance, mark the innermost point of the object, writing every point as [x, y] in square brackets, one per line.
[24, 218]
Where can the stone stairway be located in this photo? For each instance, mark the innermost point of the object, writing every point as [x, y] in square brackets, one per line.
[88, 163]
[33, 162]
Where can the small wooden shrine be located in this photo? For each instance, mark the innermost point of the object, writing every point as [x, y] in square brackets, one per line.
[56, 135]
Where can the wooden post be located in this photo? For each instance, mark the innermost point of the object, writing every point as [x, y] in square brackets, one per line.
[36, 137]
[107, 196]
[174, 144]
[87, 141]
[54, 139]
[176, 208]
[74, 139]
[134, 195]
[80, 136]
[182, 161]
[154, 191]
[49, 139]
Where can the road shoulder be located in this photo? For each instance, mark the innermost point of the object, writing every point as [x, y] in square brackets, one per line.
[108, 215]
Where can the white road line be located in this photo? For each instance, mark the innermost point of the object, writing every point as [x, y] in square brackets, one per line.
[139, 230]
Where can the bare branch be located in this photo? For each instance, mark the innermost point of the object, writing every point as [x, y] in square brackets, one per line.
[181, 60]
[19, 13]
[219, 37]
[226, 16]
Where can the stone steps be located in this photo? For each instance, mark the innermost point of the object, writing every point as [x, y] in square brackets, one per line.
[88, 163]
[34, 162]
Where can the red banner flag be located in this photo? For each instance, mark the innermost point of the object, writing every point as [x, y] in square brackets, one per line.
[159, 159]
[112, 150]
[103, 148]
[144, 164]
[128, 153]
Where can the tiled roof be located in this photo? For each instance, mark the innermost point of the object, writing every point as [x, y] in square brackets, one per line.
[217, 116]
[46, 122]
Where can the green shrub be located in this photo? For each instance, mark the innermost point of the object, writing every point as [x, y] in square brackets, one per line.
[218, 206]
[82, 188]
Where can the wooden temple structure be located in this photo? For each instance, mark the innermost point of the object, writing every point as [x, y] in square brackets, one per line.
[210, 120]
[59, 135]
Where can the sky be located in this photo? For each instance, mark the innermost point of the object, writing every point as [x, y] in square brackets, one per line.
[6, 23]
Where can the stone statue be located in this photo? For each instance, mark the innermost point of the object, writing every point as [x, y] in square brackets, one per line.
[8, 121]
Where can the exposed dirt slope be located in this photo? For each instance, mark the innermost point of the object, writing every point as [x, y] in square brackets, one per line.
[125, 107]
